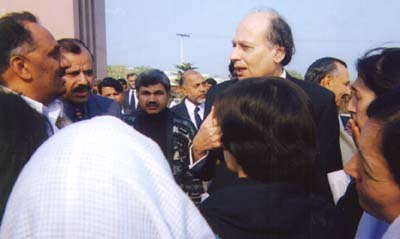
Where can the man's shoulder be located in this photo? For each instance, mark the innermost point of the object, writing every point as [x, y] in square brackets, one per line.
[179, 107]
[312, 89]
[182, 123]
[100, 105]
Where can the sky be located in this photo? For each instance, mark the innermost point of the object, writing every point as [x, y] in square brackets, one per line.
[143, 33]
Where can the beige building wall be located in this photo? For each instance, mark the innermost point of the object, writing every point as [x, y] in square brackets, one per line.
[82, 19]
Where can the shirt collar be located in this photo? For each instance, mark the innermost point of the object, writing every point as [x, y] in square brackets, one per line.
[190, 106]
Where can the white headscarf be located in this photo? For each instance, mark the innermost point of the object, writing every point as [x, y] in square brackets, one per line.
[100, 179]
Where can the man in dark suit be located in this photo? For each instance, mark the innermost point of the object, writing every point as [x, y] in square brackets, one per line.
[130, 96]
[194, 89]
[79, 103]
[262, 46]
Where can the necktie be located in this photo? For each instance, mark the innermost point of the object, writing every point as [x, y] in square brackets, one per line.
[132, 101]
[197, 117]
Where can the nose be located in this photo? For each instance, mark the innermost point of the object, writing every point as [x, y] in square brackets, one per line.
[351, 106]
[83, 78]
[235, 54]
[351, 167]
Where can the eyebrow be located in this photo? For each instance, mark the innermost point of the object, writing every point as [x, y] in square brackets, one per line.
[55, 50]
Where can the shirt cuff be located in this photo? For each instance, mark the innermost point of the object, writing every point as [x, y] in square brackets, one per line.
[200, 162]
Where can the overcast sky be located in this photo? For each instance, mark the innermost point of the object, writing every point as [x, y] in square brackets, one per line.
[143, 33]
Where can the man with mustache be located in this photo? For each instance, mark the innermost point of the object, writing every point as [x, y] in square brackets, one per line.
[194, 89]
[79, 103]
[171, 132]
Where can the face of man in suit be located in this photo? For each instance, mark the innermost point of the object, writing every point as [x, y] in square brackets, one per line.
[131, 81]
[112, 93]
[78, 77]
[253, 55]
[194, 87]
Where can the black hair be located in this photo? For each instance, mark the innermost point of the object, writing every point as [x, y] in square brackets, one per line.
[379, 69]
[211, 81]
[385, 109]
[110, 82]
[153, 77]
[14, 35]
[321, 68]
[130, 74]
[122, 81]
[268, 127]
[74, 46]
[22, 131]
[280, 34]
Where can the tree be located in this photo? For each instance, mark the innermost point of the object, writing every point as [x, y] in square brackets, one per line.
[295, 74]
[184, 66]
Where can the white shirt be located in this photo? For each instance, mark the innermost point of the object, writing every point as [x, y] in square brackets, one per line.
[190, 108]
[133, 91]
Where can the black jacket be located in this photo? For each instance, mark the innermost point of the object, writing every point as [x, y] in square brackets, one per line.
[251, 209]
[328, 150]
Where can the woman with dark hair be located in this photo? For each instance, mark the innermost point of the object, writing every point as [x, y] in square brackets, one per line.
[22, 130]
[269, 142]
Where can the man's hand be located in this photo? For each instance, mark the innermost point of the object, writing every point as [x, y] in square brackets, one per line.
[208, 137]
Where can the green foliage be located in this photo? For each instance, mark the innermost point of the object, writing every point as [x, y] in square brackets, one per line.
[295, 74]
[120, 71]
[184, 66]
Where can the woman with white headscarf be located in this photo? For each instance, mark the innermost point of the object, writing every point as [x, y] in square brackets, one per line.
[100, 179]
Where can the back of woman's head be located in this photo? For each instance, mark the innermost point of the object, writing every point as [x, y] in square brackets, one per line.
[379, 69]
[267, 125]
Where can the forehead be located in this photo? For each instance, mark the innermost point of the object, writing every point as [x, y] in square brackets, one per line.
[342, 71]
[132, 78]
[42, 38]
[193, 78]
[153, 88]
[82, 60]
[253, 28]
[108, 89]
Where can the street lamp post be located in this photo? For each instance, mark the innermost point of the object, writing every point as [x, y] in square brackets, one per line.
[182, 36]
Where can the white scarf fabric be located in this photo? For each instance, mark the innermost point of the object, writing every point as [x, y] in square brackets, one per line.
[100, 178]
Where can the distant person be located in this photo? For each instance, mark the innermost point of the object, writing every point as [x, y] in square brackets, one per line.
[171, 132]
[100, 179]
[376, 166]
[112, 89]
[269, 142]
[31, 65]
[263, 46]
[22, 131]
[124, 84]
[210, 82]
[130, 96]
[79, 102]
[332, 74]
[194, 90]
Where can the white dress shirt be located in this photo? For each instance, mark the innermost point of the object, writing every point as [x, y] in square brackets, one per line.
[190, 108]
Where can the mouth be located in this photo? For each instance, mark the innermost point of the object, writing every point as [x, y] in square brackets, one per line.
[239, 71]
[152, 106]
[81, 90]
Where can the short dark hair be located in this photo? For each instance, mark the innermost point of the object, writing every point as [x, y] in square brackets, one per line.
[131, 74]
[74, 46]
[14, 37]
[385, 109]
[110, 82]
[122, 81]
[379, 69]
[153, 77]
[268, 127]
[322, 67]
[280, 34]
[211, 81]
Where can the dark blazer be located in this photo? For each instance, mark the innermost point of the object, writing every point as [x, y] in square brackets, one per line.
[95, 106]
[328, 150]
[181, 110]
[251, 209]
[129, 107]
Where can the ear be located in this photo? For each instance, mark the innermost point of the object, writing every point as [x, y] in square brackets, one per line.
[326, 81]
[279, 54]
[19, 66]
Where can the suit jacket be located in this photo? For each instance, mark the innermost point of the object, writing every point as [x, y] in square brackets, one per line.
[328, 151]
[130, 108]
[181, 110]
[95, 106]
[251, 209]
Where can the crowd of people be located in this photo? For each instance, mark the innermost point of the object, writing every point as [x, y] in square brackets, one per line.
[246, 158]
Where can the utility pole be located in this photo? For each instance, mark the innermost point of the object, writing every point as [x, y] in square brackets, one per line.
[182, 36]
